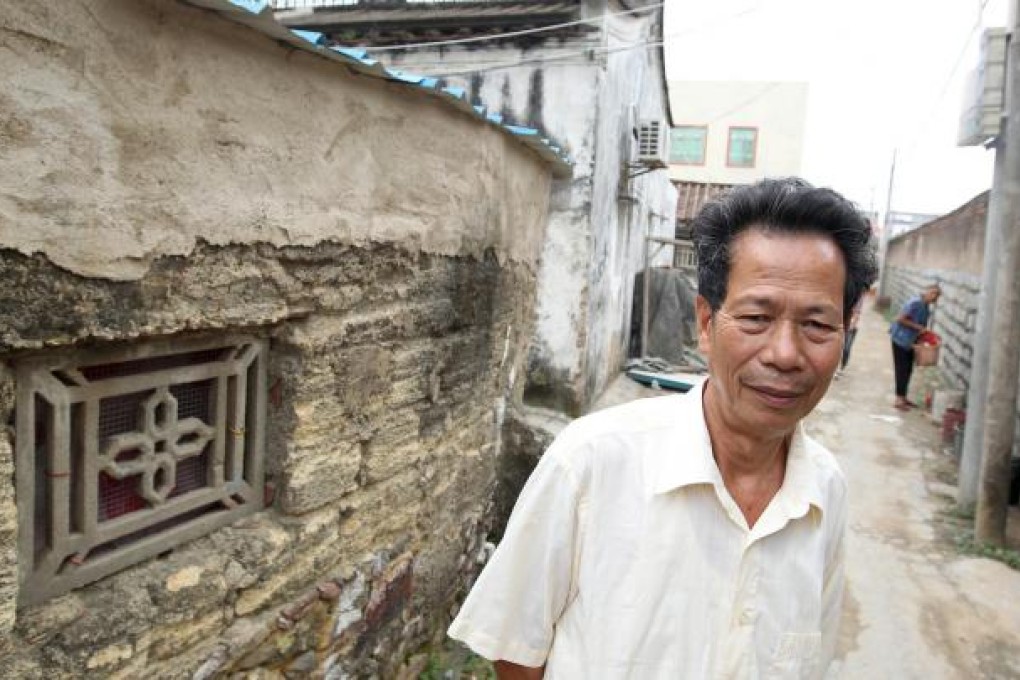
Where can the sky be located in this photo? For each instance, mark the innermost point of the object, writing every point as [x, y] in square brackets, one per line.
[882, 75]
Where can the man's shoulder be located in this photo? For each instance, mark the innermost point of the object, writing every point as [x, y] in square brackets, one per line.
[639, 415]
[613, 429]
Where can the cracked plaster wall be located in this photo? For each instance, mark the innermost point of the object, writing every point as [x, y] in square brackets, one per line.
[133, 129]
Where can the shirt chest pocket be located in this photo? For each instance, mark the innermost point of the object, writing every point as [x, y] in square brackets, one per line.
[795, 656]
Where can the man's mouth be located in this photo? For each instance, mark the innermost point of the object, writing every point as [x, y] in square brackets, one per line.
[777, 396]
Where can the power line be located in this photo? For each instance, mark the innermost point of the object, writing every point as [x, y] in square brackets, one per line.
[956, 65]
[511, 34]
[750, 100]
[552, 59]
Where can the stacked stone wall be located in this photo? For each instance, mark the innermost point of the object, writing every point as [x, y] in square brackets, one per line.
[388, 372]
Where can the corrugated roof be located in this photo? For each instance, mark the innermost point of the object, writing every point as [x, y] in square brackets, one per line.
[258, 14]
[396, 23]
[464, 13]
[692, 197]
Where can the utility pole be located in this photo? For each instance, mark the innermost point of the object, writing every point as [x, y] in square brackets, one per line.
[977, 388]
[884, 249]
[1004, 358]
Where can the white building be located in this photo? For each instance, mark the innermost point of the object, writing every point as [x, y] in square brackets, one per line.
[736, 132]
[732, 132]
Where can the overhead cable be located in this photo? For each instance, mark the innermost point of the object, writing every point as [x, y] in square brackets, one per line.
[952, 74]
[553, 59]
[511, 34]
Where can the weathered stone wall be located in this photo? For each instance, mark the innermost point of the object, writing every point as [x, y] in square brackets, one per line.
[382, 426]
[174, 175]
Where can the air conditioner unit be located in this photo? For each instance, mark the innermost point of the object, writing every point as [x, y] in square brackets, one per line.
[653, 144]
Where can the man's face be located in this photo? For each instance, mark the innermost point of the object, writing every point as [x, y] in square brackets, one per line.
[931, 295]
[776, 340]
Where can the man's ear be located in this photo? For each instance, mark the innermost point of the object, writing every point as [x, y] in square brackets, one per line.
[703, 311]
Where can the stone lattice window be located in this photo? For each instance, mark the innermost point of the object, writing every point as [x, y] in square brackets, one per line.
[123, 455]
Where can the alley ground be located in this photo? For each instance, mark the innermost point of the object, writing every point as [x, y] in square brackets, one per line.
[917, 607]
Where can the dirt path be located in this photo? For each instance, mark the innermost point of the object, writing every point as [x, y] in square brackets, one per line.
[916, 608]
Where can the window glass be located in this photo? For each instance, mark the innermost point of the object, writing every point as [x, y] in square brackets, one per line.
[742, 147]
[687, 144]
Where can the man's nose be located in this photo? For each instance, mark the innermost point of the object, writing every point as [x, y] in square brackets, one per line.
[782, 348]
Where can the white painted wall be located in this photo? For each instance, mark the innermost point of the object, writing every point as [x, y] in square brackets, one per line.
[588, 99]
[631, 91]
[778, 109]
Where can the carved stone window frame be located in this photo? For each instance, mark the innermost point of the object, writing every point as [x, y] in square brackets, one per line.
[60, 453]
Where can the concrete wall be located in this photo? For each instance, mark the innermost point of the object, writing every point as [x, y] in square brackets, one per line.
[953, 242]
[777, 109]
[168, 174]
[589, 101]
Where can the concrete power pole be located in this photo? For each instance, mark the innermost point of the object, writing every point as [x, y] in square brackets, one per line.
[1004, 358]
[883, 249]
[977, 389]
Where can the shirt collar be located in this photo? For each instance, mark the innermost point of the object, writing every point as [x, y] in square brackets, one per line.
[674, 467]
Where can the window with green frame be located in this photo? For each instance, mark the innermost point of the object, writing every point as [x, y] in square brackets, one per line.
[742, 147]
[687, 144]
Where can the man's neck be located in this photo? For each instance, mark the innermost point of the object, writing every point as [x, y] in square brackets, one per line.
[752, 466]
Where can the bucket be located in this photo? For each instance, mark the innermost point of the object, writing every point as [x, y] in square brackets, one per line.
[952, 419]
[926, 355]
[944, 399]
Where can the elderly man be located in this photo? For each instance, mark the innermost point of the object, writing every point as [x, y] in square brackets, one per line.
[699, 535]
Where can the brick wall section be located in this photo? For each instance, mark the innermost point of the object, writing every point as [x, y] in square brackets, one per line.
[387, 369]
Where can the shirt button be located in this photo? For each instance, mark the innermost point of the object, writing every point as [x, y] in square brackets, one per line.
[747, 616]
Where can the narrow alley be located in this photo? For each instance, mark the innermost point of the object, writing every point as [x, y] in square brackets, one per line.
[916, 606]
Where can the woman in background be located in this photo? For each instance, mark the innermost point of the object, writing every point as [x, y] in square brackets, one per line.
[912, 320]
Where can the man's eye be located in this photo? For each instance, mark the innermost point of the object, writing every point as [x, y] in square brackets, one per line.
[820, 327]
[753, 320]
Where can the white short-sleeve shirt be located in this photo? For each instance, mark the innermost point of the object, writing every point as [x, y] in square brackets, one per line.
[626, 557]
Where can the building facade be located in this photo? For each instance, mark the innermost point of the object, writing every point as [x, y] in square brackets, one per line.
[736, 132]
[730, 133]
